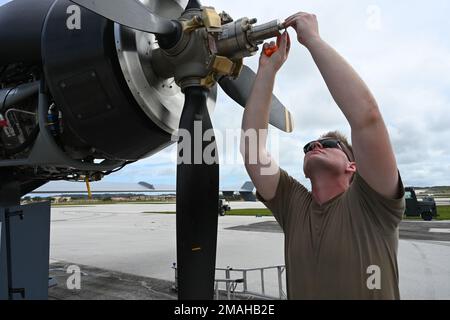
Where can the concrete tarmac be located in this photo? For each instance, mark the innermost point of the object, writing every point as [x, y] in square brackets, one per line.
[125, 239]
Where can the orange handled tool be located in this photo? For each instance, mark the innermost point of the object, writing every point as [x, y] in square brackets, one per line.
[271, 50]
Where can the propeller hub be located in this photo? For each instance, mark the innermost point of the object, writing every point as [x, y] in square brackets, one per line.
[211, 46]
[167, 41]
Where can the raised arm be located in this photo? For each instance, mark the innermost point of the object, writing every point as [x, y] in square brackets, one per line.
[375, 160]
[255, 123]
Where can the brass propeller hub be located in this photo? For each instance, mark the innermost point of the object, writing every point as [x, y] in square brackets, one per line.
[211, 46]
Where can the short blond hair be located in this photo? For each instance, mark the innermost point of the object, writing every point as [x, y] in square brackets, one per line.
[343, 139]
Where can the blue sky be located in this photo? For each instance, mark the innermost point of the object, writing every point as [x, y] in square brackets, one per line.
[402, 50]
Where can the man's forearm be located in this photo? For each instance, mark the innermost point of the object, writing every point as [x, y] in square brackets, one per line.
[257, 111]
[263, 171]
[347, 88]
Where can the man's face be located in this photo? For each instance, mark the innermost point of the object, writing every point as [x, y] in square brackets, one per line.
[325, 155]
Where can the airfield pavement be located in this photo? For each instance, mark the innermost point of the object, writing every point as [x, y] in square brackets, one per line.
[125, 239]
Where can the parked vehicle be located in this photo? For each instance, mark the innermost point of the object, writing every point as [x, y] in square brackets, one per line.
[224, 206]
[426, 208]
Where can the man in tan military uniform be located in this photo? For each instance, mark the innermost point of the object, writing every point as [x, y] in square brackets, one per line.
[341, 238]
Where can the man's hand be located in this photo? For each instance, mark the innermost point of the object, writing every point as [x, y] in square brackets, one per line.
[276, 61]
[305, 25]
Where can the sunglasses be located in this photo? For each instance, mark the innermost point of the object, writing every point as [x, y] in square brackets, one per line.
[326, 144]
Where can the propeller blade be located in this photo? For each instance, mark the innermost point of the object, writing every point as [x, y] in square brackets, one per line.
[239, 90]
[197, 201]
[130, 13]
[193, 4]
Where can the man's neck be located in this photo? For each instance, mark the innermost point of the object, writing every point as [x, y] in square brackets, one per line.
[327, 186]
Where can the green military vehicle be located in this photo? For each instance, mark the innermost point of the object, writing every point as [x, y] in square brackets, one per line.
[426, 208]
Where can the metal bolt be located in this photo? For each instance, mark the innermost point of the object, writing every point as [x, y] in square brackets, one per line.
[198, 20]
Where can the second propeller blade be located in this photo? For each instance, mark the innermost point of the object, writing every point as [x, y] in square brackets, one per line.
[130, 13]
[240, 89]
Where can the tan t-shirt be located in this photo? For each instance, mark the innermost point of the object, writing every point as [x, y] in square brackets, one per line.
[344, 249]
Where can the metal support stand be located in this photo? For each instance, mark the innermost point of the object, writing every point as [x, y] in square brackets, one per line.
[24, 246]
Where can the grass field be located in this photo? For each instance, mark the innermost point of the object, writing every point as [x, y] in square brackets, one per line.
[444, 210]
[443, 213]
[250, 212]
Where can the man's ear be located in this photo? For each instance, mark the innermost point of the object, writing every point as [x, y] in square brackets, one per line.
[351, 167]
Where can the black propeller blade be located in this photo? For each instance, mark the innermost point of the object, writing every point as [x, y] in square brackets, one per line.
[239, 90]
[130, 13]
[193, 4]
[197, 202]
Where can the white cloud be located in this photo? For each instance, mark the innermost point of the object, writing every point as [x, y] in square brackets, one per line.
[404, 59]
[405, 62]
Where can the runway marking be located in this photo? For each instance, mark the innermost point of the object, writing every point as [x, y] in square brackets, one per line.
[434, 230]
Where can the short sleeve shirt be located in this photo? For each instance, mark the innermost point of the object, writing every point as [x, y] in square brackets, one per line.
[343, 249]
